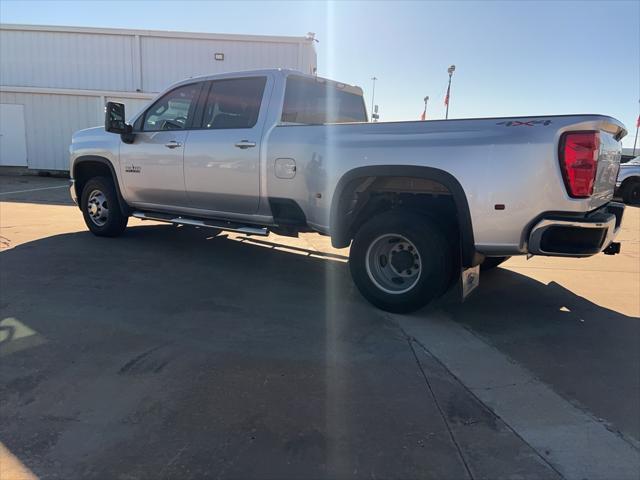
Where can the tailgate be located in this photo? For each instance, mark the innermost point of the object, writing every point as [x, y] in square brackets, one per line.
[608, 165]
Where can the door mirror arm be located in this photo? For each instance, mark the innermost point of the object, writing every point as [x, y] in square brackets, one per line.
[128, 136]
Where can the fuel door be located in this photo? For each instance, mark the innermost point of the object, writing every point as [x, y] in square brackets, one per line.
[285, 168]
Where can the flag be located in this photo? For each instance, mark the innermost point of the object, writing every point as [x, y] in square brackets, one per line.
[446, 98]
[423, 117]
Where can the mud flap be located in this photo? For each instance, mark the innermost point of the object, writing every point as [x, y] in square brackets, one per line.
[469, 280]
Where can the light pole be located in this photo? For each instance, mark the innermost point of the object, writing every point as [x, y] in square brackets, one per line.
[373, 94]
[451, 69]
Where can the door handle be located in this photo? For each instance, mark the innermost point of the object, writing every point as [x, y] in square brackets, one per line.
[173, 144]
[245, 144]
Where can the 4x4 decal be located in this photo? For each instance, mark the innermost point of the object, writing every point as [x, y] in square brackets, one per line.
[530, 123]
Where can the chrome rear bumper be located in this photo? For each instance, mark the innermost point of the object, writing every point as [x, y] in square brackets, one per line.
[561, 235]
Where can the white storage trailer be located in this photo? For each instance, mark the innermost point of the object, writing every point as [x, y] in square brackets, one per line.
[56, 80]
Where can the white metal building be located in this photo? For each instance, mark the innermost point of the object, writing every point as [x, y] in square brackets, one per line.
[56, 80]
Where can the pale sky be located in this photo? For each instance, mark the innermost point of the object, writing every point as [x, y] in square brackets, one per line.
[512, 58]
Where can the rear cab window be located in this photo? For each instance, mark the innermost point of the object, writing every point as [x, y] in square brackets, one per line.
[233, 103]
[317, 101]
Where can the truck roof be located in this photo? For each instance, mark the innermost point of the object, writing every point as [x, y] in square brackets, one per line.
[284, 72]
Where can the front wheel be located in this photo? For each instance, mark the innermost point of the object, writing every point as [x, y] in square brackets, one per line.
[401, 261]
[100, 208]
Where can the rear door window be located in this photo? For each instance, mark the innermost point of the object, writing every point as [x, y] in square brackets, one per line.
[233, 103]
[310, 101]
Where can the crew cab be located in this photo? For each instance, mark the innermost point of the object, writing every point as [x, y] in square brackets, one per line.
[422, 204]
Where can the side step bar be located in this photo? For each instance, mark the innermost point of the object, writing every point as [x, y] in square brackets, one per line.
[220, 224]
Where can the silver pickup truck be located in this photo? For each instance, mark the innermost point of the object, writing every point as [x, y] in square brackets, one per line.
[422, 203]
[628, 184]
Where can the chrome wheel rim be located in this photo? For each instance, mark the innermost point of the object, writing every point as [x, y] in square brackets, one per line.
[98, 208]
[393, 263]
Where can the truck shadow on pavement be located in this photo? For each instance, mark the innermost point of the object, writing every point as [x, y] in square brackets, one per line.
[177, 317]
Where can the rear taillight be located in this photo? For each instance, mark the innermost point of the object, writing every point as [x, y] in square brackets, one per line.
[579, 162]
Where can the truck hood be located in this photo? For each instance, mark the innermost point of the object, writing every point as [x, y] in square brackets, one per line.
[88, 133]
[631, 163]
[93, 134]
[94, 141]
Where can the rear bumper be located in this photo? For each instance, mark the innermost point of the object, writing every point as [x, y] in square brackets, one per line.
[561, 235]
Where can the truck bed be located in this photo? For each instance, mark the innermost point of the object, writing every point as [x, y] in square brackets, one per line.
[509, 161]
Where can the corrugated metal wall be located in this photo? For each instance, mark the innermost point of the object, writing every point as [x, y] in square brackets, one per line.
[114, 64]
[66, 60]
[168, 60]
[50, 121]
[106, 62]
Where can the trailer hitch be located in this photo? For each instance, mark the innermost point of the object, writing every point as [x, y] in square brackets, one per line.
[612, 249]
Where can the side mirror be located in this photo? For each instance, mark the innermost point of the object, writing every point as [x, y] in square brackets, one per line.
[114, 119]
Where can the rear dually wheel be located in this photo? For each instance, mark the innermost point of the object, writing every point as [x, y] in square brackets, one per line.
[400, 261]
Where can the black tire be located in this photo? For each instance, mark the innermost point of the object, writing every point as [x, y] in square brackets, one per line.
[490, 263]
[114, 221]
[631, 192]
[434, 268]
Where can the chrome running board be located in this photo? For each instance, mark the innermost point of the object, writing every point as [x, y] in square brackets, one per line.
[219, 224]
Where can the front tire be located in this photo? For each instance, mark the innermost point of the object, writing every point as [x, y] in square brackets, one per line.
[101, 209]
[401, 261]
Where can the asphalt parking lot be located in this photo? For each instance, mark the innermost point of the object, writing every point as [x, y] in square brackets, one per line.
[168, 353]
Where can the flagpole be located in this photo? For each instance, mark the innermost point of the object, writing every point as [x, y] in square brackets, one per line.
[635, 141]
[451, 69]
[424, 113]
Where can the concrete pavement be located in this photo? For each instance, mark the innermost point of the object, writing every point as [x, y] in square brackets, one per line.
[167, 353]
